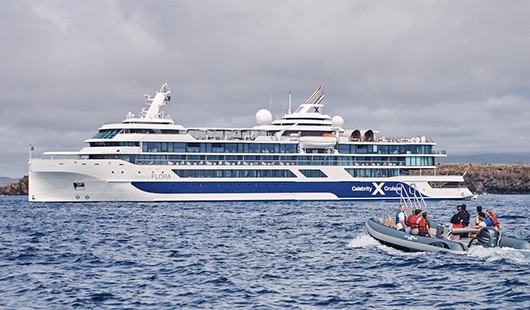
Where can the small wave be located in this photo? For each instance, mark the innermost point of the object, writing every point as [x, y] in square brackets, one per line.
[101, 297]
[514, 282]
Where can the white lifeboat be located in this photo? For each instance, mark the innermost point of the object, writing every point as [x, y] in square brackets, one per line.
[326, 141]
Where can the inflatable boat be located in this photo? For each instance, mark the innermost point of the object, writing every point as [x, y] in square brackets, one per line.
[383, 231]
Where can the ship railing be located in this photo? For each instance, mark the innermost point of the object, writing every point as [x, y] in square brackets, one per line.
[270, 160]
[439, 152]
[422, 139]
[412, 200]
[62, 155]
[213, 162]
[251, 134]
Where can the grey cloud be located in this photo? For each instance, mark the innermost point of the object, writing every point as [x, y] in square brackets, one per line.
[455, 71]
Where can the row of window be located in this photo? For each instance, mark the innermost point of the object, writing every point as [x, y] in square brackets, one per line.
[234, 147]
[234, 173]
[300, 160]
[106, 134]
[369, 173]
[384, 149]
[217, 147]
[110, 133]
[114, 143]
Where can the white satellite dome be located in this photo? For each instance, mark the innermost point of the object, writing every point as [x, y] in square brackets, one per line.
[263, 117]
[337, 121]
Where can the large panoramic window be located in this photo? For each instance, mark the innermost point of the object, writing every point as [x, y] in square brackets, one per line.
[372, 172]
[313, 173]
[107, 134]
[419, 161]
[234, 173]
[214, 147]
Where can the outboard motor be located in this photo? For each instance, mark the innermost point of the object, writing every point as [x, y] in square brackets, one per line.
[440, 229]
[488, 237]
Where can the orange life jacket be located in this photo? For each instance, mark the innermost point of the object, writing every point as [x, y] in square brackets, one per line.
[422, 225]
[409, 219]
[414, 220]
[494, 221]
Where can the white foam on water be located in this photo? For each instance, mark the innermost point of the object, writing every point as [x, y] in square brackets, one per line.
[366, 241]
[362, 241]
[519, 257]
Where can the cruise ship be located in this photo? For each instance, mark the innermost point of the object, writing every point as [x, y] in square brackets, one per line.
[304, 155]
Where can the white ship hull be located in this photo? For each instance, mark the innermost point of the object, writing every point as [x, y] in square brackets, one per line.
[72, 180]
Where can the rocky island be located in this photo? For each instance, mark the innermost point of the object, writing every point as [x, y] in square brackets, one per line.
[480, 178]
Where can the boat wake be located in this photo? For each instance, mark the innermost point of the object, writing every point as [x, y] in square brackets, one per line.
[366, 241]
[363, 241]
[501, 255]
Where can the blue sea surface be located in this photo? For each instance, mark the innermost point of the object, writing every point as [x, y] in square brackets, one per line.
[260, 255]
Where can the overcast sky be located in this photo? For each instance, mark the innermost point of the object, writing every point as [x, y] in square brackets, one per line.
[455, 71]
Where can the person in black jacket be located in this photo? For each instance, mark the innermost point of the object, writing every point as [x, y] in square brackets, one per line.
[464, 215]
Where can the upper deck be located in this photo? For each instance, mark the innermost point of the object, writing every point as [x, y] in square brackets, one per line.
[307, 130]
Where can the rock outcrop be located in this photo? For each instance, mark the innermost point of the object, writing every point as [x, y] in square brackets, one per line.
[19, 188]
[492, 178]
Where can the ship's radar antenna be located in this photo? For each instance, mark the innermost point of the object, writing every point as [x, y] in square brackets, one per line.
[289, 111]
[160, 99]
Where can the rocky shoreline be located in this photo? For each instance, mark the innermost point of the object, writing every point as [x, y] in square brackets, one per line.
[492, 178]
[18, 188]
[479, 178]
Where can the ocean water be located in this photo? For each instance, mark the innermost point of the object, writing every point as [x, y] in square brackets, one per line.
[255, 255]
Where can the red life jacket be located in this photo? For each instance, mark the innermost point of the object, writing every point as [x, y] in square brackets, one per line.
[423, 225]
[409, 219]
[414, 221]
[494, 221]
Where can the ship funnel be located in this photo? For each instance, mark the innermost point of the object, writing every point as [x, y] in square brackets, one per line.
[316, 97]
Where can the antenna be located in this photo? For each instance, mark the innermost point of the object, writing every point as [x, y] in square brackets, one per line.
[289, 111]
[270, 101]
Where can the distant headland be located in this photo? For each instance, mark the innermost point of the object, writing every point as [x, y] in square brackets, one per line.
[480, 178]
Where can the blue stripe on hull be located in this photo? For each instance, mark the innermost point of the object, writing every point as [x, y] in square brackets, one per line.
[343, 190]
